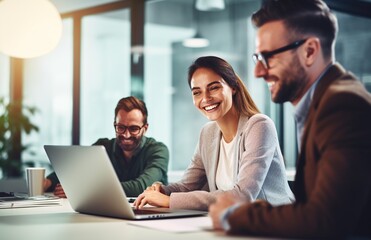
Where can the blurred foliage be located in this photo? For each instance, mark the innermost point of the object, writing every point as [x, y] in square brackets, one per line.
[15, 119]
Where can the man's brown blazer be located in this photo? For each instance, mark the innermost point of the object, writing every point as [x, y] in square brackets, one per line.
[333, 179]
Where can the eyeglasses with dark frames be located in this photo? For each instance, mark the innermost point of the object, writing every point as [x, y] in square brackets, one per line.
[133, 130]
[263, 57]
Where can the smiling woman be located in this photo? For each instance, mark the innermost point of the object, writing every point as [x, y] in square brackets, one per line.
[237, 152]
[213, 98]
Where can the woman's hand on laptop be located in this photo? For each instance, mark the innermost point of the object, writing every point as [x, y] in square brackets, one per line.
[156, 186]
[153, 197]
[59, 192]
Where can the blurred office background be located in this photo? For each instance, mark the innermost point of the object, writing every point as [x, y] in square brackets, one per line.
[112, 49]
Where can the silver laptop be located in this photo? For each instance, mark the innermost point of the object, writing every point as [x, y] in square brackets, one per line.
[92, 186]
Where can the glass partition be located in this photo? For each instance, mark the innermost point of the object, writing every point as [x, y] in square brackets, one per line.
[48, 87]
[105, 72]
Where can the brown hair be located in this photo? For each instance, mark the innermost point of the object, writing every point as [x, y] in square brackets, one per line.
[129, 103]
[302, 18]
[241, 99]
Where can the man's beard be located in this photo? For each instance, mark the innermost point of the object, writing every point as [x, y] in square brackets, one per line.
[292, 83]
[135, 141]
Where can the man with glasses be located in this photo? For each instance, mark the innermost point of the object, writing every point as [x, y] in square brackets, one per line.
[295, 45]
[138, 160]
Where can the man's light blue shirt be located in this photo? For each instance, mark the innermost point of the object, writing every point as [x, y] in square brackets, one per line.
[302, 108]
[301, 112]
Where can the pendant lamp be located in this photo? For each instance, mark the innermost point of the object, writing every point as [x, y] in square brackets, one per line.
[210, 5]
[29, 28]
[197, 40]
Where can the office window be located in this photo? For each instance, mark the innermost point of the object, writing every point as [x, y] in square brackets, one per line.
[105, 72]
[48, 86]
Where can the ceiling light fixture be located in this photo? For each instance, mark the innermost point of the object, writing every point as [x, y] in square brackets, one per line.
[29, 28]
[197, 41]
[210, 5]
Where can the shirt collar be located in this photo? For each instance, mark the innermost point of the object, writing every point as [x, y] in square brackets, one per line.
[302, 108]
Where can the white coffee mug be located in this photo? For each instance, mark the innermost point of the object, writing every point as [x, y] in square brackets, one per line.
[35, 181]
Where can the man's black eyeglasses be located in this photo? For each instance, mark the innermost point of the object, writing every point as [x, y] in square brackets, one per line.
[133, 130]
[264, 56]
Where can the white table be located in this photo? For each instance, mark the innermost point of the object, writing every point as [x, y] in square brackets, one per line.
[61, 222]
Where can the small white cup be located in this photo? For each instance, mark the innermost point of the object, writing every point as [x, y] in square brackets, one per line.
[35, 181]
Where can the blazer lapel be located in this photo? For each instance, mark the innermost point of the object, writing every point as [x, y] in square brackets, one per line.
[240, 146]
[332, 74]
[214, 157]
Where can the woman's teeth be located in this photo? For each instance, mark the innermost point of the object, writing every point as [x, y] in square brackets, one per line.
[211, 107]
